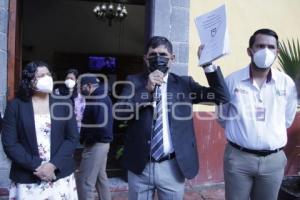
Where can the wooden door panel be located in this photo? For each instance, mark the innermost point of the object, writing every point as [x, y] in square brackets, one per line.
[14, 50]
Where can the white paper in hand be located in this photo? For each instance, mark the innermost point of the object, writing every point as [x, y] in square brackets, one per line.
[213, 33]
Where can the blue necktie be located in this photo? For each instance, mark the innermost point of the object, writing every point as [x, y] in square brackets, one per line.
[157, 148]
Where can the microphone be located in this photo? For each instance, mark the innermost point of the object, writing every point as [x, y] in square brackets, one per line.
[155, 95]
[156, 88]
[164, 70]
[155, 101]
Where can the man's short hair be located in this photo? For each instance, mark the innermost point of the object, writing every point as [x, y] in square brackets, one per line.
[89, 79]
[264, 31]
[156, 41]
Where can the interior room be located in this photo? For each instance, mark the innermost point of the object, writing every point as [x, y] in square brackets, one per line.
[68, 34]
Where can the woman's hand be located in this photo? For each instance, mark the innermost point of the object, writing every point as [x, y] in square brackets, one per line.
[46, 172]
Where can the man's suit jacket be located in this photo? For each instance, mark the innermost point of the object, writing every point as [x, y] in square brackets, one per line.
[183, 91]
[20, 143]
[1, 122]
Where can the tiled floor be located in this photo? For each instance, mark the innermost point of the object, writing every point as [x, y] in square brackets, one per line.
[119, 192]
[212, 192]
[201, 194]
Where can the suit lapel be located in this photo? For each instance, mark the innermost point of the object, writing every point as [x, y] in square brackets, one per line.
[54, 125]
[171, 99]
[29, 124]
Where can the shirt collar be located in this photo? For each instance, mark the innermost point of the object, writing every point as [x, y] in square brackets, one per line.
[247, 75]
[166, 78]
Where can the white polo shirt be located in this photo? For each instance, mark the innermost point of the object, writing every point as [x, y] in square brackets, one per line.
[257, 118]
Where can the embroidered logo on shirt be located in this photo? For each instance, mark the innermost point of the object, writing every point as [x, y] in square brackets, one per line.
[239, 90]
[281, 92]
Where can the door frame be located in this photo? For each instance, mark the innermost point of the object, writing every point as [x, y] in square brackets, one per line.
[14, 48]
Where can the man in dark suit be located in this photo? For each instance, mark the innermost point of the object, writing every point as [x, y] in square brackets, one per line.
[160, 147]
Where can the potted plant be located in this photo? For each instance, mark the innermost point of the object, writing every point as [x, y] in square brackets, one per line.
[289, 59]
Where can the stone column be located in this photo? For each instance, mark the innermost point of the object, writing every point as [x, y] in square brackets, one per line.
[170, 18]
[4, 164]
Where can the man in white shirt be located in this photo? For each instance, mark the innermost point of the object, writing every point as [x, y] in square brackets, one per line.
[262, 106]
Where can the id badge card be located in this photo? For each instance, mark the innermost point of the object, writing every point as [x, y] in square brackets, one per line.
[260, 113]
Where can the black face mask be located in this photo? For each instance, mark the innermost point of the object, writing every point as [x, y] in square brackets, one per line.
[158, 63]
[85, 92]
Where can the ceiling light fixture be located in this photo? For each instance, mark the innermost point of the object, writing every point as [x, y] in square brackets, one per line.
[110, 11]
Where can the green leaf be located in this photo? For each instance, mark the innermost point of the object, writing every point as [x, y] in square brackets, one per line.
[289, 57]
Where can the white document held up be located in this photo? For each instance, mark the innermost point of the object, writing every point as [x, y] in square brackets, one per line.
[213, 33]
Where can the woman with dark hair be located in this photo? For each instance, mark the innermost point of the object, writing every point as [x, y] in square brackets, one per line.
[39, 136]
[69, 89]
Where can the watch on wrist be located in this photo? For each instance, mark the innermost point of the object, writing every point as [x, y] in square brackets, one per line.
[206, 64]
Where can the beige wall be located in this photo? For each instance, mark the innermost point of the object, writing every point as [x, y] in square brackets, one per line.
[244, 17]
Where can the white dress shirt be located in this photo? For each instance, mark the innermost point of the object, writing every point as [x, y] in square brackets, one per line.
[257, 118]
[167, 142]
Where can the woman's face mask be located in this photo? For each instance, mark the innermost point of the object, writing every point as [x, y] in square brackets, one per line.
[70, 83]
[264, 58]
[44, 84]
